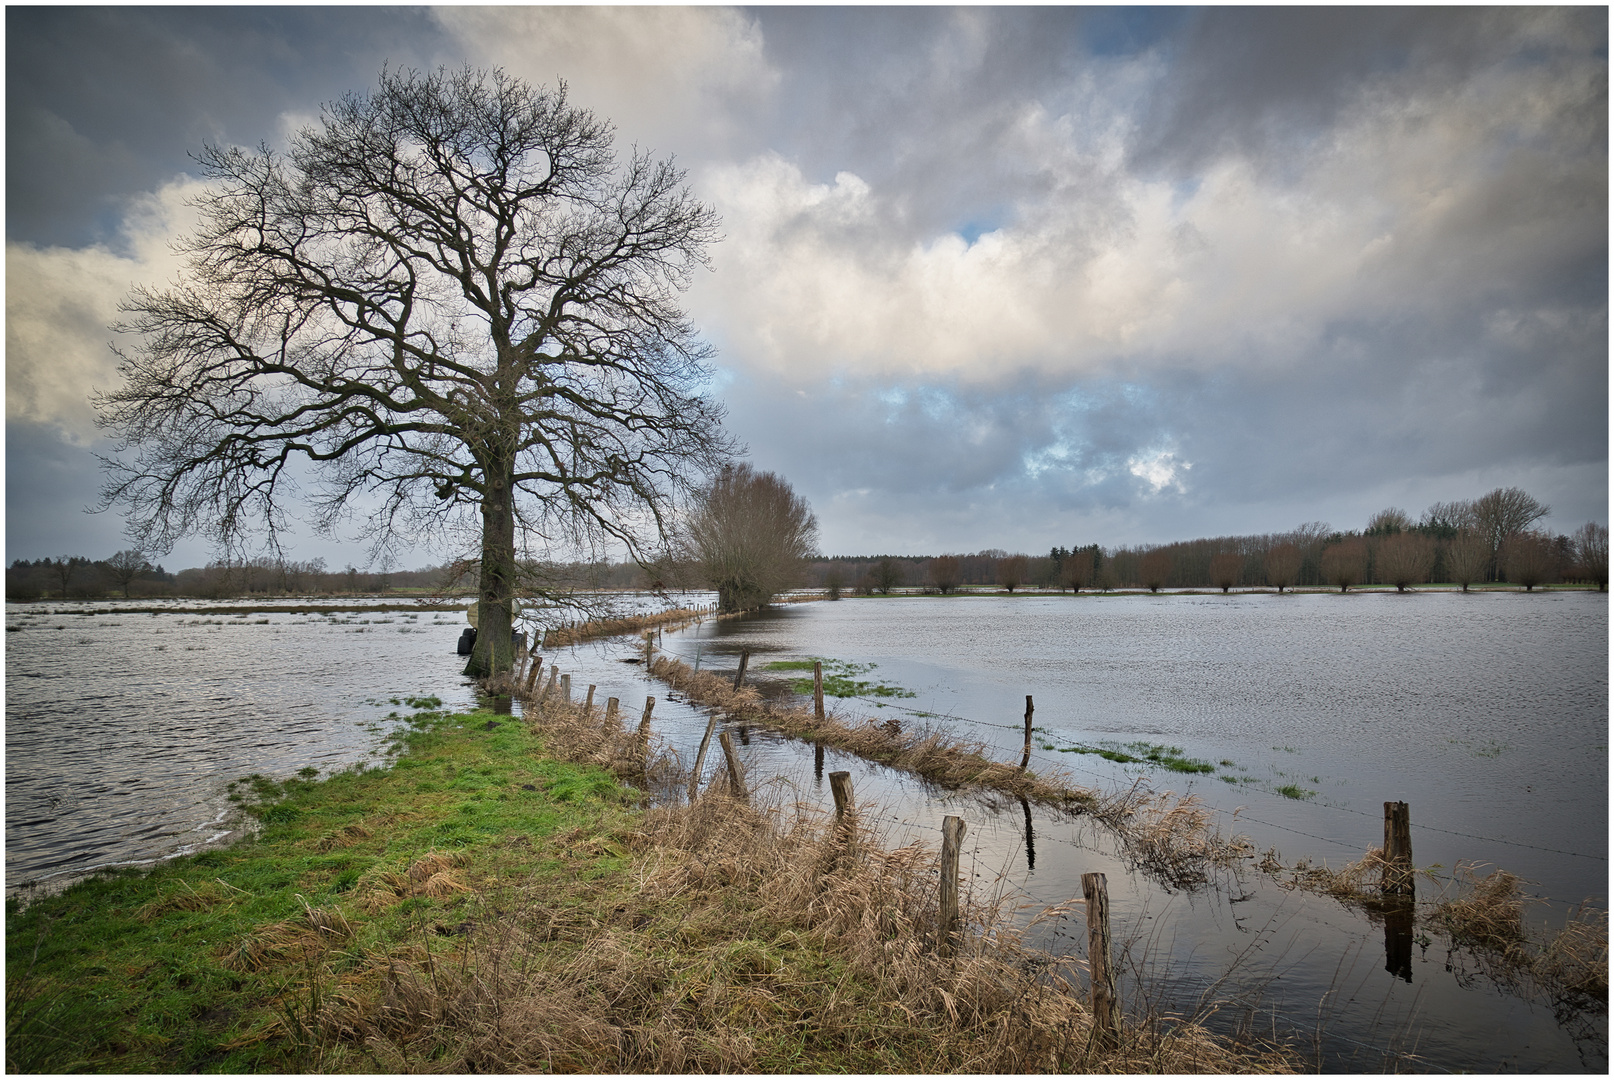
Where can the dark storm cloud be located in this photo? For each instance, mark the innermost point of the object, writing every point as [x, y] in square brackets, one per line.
[104, 103]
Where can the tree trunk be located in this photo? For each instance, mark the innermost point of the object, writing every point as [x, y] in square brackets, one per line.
[493, 653]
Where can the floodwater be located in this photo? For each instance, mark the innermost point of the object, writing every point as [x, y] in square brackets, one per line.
[1487, 713]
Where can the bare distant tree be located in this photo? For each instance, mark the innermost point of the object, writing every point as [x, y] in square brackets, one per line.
[1448, 518]
[454, 304]
[1283, 566]
[750, 537]
[1345, 563]
[1591, 553]
[1405, 559]
[1529, 558]
[1388, 522]
[1154, 570]
[1225, 570]
[1500, 514]
[834, 582]
[1076, 570]
[1011, 571]
[943, 572]
[127, 565]
[1467, 556]
[885, 575]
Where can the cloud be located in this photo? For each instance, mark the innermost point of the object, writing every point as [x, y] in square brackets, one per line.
[60, 303]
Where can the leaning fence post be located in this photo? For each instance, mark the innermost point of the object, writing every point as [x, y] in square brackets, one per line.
[739, 676]
[532, 675]
[952, 840]
[1106, 1005]
[736, 770]
[700, 757]
[818, 691]
[1025, 758]
[1397, 876]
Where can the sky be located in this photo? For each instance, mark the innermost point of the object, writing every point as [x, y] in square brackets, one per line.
[989, 277]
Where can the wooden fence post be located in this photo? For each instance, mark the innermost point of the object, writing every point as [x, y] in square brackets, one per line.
[700, 757]
[532, 675]
[648, 649]
[549, 690]
[1025, 758]
[739, 676]
[566, 689]
[611, 705]
[952, 840]
[736, 770]
[840, 785]
[818, 691]
[588, 706]
[1106, 1006]
[1397, 877]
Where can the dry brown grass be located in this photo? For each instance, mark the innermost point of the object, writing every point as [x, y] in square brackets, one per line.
[937, 757]
[673, 619]
[1170, 835]
[1355, 883]
[186, 898]
[739, 940]
[346, 836]
[1489, 914]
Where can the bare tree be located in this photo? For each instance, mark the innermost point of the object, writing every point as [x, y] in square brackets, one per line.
[1500, 514]
[1154, 570]
[1405, 559]
[449, 297]
[1011, 571]
[834, 582]
[1529, 558]
[127, 565]
[1466, 558]
[943, 572]
[885, 575]
[1388, 522]
[1283, 566]
[1345, 563]
[1076, 570]
[750, 537]
[1591, 553]
[1225, 569]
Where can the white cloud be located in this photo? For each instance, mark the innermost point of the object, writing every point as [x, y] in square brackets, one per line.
[60, 303]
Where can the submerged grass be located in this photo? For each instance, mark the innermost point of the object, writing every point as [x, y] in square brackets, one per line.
[839, 679]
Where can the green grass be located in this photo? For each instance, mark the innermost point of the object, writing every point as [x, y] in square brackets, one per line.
[840, 679]
[140, 972]
[1142, 753]
[1294, 791]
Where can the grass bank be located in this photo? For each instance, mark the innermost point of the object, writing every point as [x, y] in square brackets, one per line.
[483, 906]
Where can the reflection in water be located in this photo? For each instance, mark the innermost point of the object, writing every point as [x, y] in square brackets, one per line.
[1031, 848]
[1398, 920]
[818, 764]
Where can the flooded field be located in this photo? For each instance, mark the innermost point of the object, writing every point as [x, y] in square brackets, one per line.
[1488, 714]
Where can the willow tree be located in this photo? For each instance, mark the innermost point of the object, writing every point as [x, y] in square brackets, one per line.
[750, 537]
[448, 303]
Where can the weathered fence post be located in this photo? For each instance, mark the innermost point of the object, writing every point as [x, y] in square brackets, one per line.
[549, 690]
[739, 676]
[736, 770]
[611, 705]
[840, 785]
[648, 649]
[952, 840]
[818, 691]
[1025, 758]
[1106, 1005]
[566, 689]
[532, 675]
[700, 757]
[1397, 878]
[588, 705]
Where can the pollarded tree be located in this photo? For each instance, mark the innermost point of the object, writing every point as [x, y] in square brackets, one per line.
[1012, 571]
[1345, 563]
[1529, 558]
[943, 571]
[885, 575]
[1591, 553]
[1283, 566]
[750, 537]
[447, 299]
[1154, 569]
[1405, 559]
[1467, 556]
[1225, 569]
[1076, 570]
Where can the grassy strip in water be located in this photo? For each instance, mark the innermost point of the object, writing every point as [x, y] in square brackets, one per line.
[839, 679]
[1140, 753]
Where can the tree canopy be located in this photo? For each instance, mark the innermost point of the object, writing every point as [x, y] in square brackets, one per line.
[452, 309]
[750, 537]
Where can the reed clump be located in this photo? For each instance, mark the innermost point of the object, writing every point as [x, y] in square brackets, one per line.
[933, 755]
[1172, 836]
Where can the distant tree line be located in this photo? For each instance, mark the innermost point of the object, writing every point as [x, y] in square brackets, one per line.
[1488, 539]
